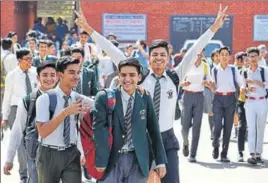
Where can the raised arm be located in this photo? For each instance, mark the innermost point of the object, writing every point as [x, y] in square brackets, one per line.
[191, 55]
[112, 51]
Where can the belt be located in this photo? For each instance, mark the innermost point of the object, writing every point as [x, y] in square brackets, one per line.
[225, 93]
[187, 91]
[255, 98]
[126, 151]
[58, 148]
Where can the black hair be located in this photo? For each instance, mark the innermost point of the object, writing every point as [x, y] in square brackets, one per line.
[42, 41]
[6, 43]
[115, 43]
[11, 34]
[33, 39]
[50, 43]
[253, 50]
[225, 48]
[32, 33]
[130, 62]
[159, 43]
[76, 49]
[84, 32]
[64, 61]
[44, 65]
[22, 52]
[214, 52]
[66, 52]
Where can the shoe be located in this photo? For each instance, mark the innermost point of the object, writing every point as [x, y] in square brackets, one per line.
[192, 159]
[252, 160]
[225, 160]
[259, 160]
[240, 157]
[186, 150]
[215, 153]
[24, 180]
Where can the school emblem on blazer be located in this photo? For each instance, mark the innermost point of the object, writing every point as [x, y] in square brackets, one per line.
[170, 94]
[143, 114]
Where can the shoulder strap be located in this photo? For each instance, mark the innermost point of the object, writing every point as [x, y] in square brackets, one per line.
[52, 103]
[144, 74]
[174, 77]
[110, 93]
[245, 74]
[215, 70]
[262, 74]
[30, 107]
[205, 71]
[233, 72]
[2, 62]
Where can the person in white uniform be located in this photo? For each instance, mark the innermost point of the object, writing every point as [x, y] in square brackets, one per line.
[254, 85]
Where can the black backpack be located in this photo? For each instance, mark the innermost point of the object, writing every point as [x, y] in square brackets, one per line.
[31, 133]
[175, 79]
[245, 73]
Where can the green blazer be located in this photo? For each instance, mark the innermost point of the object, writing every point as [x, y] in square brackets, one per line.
[89, 85]
[143, 119]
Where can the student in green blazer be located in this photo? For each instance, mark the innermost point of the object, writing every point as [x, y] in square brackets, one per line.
[134, 121]
[87, 85]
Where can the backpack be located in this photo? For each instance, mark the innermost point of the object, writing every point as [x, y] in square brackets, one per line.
[245, 73]
[175, 79]
[86, 134]
[31, 133]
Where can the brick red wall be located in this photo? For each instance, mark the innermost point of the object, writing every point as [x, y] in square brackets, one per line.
[7, 17]
[158, 14]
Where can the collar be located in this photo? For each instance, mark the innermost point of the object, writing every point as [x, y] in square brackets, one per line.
[164, 73]
[125, 95]
[61, 93]
[258, 69]
[44, 58]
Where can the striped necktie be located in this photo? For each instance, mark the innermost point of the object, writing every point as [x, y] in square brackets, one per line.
[79, 87]
[127, 121]
[157, 95]
[66, 132]
[28, 83]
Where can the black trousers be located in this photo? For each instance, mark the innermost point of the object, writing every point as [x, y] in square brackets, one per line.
[242, 126]
[171, 145]
[53, 165]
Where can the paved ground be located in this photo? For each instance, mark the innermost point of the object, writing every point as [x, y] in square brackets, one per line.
[206, 170]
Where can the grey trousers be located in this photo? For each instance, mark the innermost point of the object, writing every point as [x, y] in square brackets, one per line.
[22, 157]
[192, 113]
[53, 165]
[33, 178]
[126, 170]
[223, 110]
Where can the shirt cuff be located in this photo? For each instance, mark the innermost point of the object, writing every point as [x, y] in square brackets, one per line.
[160, 166]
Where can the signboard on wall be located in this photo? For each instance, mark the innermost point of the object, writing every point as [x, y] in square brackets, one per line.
[126, 27]
[260, 32]
[191, 27]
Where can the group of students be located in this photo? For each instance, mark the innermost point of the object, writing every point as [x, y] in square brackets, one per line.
[58, 95]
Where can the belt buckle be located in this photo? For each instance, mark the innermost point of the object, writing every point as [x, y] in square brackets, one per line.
[224, 93]
[61, 148]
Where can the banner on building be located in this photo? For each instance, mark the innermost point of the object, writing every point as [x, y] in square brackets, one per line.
[260, 28]
[126, 27]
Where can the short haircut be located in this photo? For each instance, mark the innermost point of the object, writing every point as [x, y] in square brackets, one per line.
[115, 43]
[66, 52]
[159, 43]
[44, 65]
[129, 46]
[130, 62]
[240, 55]
[33, 39]
[6, 43]
[22, 52]
[11, 34]
[214, 52]
[84, 32]
[32, 33]
[225, 48]
[50, 43]
[253, 50]
[42, 41]
[76, 49]
[64, 61]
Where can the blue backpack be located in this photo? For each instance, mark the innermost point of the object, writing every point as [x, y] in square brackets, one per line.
[31, 133]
